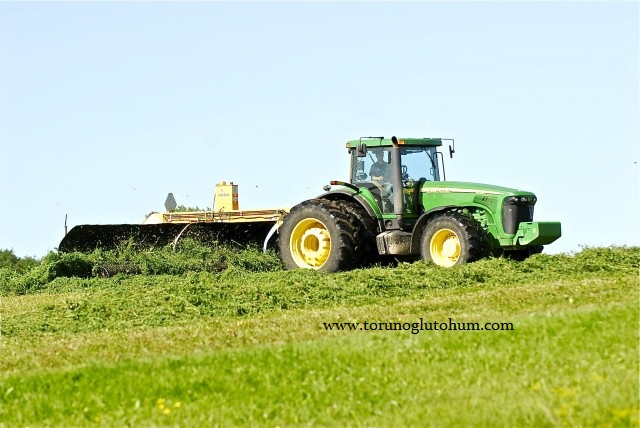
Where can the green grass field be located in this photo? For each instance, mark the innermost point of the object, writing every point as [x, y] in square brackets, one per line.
[205, 338]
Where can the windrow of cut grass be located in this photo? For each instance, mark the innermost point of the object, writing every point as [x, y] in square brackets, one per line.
[191, 257]
[84, 305]
[188, 256]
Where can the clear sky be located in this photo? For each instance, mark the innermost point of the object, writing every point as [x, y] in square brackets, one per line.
[105, 107]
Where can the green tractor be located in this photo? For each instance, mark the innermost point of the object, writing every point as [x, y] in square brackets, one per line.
[398, 205]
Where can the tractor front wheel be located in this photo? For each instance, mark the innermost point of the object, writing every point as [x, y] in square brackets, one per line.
[451, 239]
[317, 234]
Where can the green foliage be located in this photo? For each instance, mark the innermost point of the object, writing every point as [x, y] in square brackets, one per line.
[67, 265]
[52, 266]
[14, 282]
[182, 208]
[187, 256]
[190, 256]
[8, 260]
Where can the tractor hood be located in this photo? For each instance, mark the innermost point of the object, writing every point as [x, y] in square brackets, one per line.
[465, 187]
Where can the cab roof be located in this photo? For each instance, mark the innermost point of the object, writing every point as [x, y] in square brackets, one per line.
[386, 142]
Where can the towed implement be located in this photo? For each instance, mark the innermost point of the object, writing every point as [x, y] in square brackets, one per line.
[397, 204]
[225, 223]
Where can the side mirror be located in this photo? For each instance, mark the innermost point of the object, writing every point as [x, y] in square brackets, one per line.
[361, 150]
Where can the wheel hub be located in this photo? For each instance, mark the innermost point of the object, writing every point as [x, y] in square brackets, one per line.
[310, 244]
[445, 248]
[450, 247]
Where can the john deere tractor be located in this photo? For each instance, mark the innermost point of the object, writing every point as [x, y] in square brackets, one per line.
[397, 204]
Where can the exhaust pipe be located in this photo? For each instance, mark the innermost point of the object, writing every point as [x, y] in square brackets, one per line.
[396, 179]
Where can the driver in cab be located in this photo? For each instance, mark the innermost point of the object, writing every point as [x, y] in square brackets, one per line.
[380, 169]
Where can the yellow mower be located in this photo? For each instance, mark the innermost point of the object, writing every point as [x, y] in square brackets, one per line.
[225, 223]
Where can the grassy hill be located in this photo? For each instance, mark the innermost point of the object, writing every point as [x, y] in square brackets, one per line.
[206, 337]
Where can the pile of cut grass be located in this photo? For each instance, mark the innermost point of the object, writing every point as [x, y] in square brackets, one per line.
[126, 301]
[188, 256]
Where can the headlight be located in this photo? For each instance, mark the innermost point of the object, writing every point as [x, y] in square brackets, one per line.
[529, 200]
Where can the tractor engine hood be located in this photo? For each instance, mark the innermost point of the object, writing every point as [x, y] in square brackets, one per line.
[511, 208]
[444, 187]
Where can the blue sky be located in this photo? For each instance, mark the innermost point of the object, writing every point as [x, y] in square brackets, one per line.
[105, 107]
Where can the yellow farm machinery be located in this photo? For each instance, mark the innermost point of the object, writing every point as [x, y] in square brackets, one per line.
[224, 224]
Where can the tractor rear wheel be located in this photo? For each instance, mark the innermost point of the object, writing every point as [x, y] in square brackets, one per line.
[366, 250]
[451, 239]
[317, 234]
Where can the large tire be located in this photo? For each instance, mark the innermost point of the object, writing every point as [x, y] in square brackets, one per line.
[317, 234]
[366, 249]
[451, 239]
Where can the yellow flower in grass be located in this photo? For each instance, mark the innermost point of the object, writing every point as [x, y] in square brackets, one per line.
[536, 386]
[624, 413]
[165, 406]
[565, 392]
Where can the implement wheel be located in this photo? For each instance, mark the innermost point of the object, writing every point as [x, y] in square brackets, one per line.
[451, 239]
[317, 234]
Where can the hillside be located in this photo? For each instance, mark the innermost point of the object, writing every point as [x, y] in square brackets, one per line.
[211, 337]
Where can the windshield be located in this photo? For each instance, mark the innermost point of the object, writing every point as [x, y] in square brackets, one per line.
[419, 163]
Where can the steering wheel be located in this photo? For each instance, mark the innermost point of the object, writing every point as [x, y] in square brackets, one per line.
[404, 175]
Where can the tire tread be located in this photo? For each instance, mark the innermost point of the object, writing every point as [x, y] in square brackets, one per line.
[343, 241]
[475, 237]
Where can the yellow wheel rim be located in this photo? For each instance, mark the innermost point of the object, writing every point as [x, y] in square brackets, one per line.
[445, 247]
[310, 243]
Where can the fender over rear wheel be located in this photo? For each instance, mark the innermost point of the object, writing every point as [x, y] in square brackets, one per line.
[451, 239]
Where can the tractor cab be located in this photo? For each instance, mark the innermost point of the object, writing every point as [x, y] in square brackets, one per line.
[373, 167]
[418, 163]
